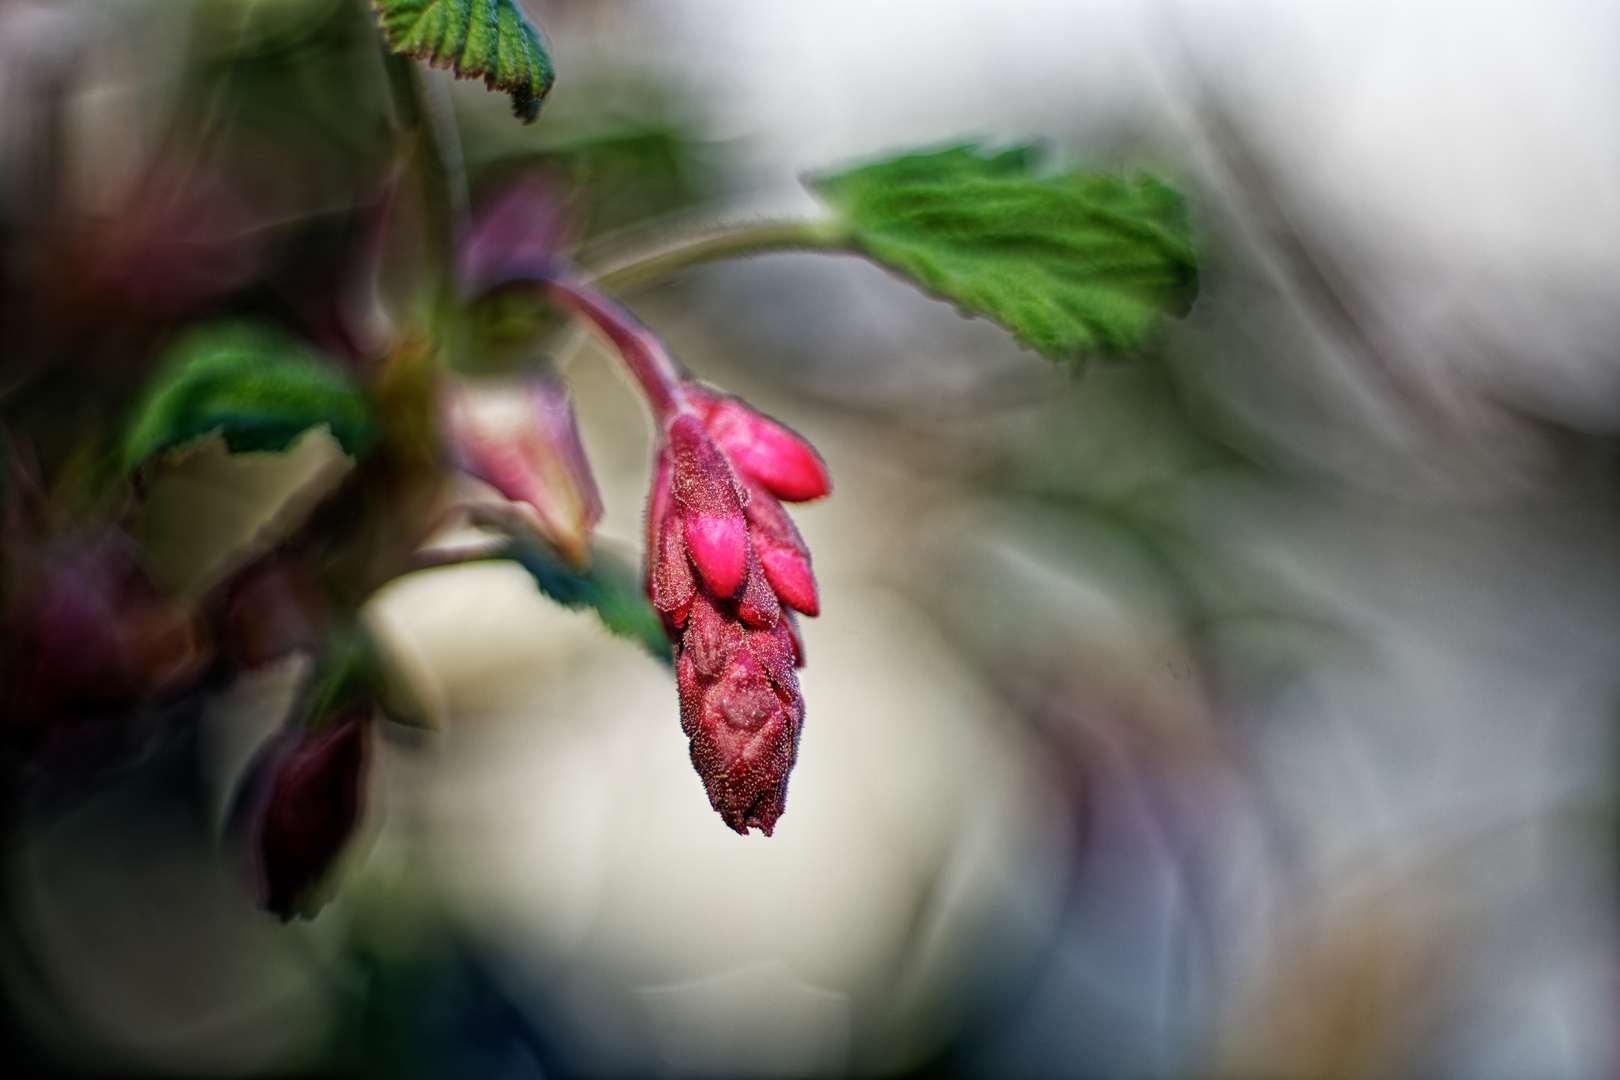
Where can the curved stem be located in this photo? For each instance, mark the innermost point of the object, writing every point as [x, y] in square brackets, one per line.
[723, 241]
[649, 361]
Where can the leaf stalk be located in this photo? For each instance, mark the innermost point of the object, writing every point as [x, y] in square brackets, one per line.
[721, 241]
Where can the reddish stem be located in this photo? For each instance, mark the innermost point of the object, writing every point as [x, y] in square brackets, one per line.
[653, 367]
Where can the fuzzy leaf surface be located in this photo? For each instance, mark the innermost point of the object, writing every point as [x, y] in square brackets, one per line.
[476, 39]
[1072, 263]
[611, 588]
[256, 386]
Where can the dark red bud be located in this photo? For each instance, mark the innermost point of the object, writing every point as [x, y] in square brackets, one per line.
[711, 638]
[795, 638]
[672, 585]
[745, 745]
[740, 706]
[311, 810]
[758, 605]
[774, 650]
[659, 499]
[782, 552]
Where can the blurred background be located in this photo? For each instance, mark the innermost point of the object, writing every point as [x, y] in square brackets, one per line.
[1245, 710]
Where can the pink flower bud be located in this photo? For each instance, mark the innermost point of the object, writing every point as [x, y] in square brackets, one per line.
[710, 506]
[762, 449]
[782, 554]
[310, 811]
[525, 443]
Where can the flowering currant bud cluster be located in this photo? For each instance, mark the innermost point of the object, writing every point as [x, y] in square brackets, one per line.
[725, 566]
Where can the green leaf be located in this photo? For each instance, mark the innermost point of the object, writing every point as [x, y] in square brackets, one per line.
[488, 39]
[256, 386]
[611, 587]
[1071, 263]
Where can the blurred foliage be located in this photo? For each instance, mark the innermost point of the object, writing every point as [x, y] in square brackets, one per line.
[256, 386]
[611, 587]
[292, 94]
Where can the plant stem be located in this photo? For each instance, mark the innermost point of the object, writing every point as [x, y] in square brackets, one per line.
[649, 361]
[440, 111]
[723, 241]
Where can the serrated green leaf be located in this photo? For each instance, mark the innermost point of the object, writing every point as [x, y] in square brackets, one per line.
[254, 385]
[611, 587]
[487, 39]
[1071, 263]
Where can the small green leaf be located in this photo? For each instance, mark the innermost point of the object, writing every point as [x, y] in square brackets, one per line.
[611, 587]
[256, 386]
[1071, 263]
[488, 39]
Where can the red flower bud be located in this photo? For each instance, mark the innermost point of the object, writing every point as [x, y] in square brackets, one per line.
[310, 811]
[763, 450]
[782, 554]
[757, 604]
[671, 584]
[710, 506]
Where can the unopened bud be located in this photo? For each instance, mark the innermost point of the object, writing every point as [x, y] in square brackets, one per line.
[763, 450]
[672, 585]
[741, 707]
[711, 511]
[523, 441]
[782, 552]
[311, 810]
[757, 604]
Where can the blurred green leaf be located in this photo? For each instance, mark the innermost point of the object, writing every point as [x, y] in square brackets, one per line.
[611, 587]
[256, 386]
[474, 38]
[631, 173]
[1071, 263]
